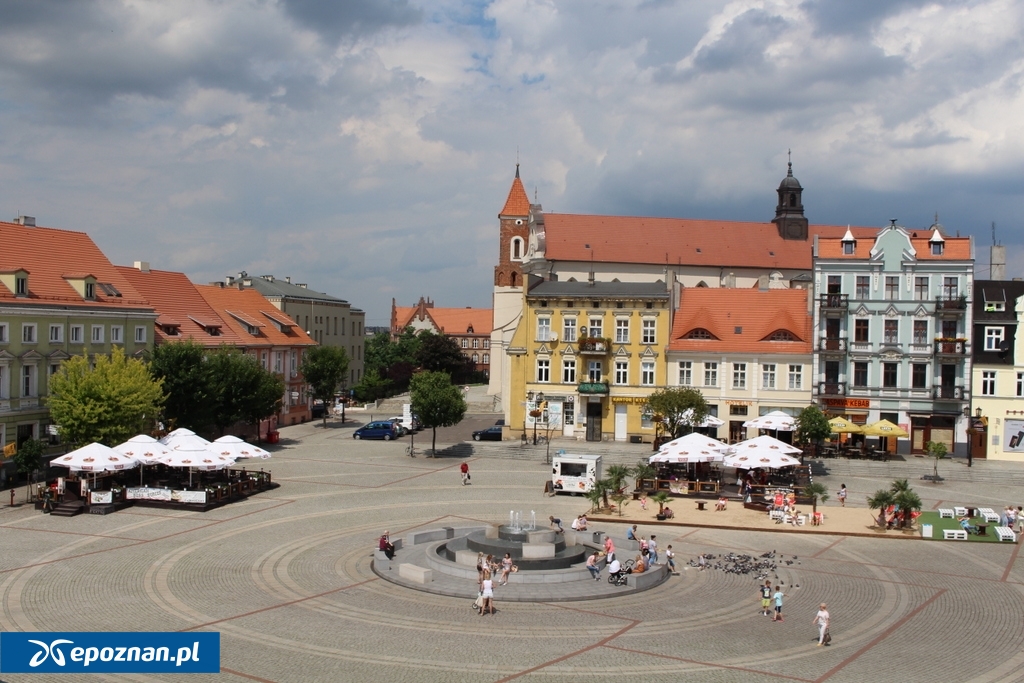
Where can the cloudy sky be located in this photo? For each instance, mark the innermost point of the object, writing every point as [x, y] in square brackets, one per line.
[366, 147]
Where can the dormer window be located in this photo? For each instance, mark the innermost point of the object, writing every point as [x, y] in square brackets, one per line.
[936, 242]
[782, 335]
[848, 248]
[21, 286]
[849, 244]
[937, 248]
[995, 306]
[699, 333]
[90, 290]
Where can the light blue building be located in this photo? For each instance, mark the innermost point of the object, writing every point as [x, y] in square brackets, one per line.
[892, 323]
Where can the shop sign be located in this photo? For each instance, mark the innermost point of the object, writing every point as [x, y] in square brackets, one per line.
[739, 403]
[846, 402]
[101, 497]
[147, 493]
[629, 399]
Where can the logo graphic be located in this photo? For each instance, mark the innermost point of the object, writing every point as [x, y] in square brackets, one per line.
[50, 650]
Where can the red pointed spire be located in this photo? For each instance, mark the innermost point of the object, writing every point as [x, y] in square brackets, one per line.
[518, 203]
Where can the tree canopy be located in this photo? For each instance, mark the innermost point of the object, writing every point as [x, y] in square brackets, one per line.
[242, 389]
[441, 353]
[323, 368]
[436, 401]
[182, 367]
[812, 425]
[681, 409]
[109, 402]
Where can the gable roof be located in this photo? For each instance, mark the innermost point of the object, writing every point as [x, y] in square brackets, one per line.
[685, 241]
[232, 303]
[757, 314]
[954, 248]
[52, 257]
[518, 203]
[274, 287]
[178, 302]
[450, 321]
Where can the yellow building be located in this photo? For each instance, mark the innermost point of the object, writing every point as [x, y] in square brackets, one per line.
[585, 357]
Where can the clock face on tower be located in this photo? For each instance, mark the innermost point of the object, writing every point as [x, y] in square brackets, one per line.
[793, 230]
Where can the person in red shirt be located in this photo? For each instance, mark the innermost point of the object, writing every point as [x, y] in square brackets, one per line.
[464, 468]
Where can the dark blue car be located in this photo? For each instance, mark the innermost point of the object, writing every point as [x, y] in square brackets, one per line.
[381, 429]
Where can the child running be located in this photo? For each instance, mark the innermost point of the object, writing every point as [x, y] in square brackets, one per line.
[778, 604]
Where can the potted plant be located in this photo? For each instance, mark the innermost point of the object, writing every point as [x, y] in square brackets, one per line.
[661, 498]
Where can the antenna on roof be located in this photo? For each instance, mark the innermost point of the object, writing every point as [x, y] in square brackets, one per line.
[994, 243]
[591, 277]
[534, 194]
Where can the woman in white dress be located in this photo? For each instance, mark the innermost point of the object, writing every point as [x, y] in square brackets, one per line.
[487, 586]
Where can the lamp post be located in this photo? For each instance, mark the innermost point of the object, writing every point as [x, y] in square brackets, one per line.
[536, 413]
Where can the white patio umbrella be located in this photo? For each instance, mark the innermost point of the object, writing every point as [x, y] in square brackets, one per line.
[762, 451]
[775, 420]
[233, 447]
[143, 448]
[202, 459]
[96, 458]
[709, 420]
[691, 448]
[184, 438]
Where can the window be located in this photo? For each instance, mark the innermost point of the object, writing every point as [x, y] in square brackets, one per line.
[890, 375]
[860, 330]
[919, 375]
[700, 333]
[140, 335]
[263, 360]
[543, 329]
[950, 287]
[595, 371]
[543, 370]
[711, 374]
[465, 343]
[77, 334]
[739, 375]
[21, 286]
[937, 248]
[892, 287]
[568, 371]
[28, 380]
[90, 290]
[796, 376]
[28, 333]
[476, 358]
[293, 363]
[476, 343]
[517, 249]
[116, 334]
[920, 331]
[278, 361]
[835, 284]
[1020, 383]
[596, 327]
[738, 410]
[56, 334]
[863, 287]
[649, 331]
[621, 331]
[647, 373]
[3, 333]
[487, 343]
[848, 247]
[782, 335]
[768, 376]
[993, 338]
[860, 374]
[569, 330]
[487, 359]
[921, 288]
[621, 372]
[995, 306]
[891, 333]
[685, 373]
[988, 383]
[97, 334]
[3, 382]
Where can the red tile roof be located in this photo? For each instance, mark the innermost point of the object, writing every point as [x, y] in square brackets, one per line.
[629, 239]
[757, 313]
[518, 203]
[178, 302]
[50, 256]
[450, 321]
[956, 248]
[249, 302]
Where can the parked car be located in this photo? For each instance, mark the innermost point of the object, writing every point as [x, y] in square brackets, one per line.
[399, 425]
[318, 409]
[381, 429]
[500, 422]
[489, 434]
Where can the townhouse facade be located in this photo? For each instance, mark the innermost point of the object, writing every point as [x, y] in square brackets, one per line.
[585, 357]
[59, 297]
[469, 327]
[748, 351]
[891, 332]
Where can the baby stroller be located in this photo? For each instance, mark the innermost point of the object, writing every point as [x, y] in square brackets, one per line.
[619, 578]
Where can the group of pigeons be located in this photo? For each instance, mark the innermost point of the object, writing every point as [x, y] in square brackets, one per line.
[762, 567]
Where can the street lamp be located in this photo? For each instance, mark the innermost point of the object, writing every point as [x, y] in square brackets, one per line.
[536, 413]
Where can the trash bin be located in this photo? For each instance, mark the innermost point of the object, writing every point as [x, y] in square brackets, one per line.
[926, 531]
[273, 436]
[598, 536]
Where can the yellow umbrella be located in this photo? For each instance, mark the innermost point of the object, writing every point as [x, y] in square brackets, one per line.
[883, 428]
[840, 425]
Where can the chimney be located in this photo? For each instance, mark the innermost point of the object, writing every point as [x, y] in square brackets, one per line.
[268, 278]
[288, 279]
[998, 261]
[142, 266]
[228, 280]
[27, 221]
[301, 284]
[762, 282]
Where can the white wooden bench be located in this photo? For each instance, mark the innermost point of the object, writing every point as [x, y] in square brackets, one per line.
[960, 511]
[989, 514]
[954, 535]
[777, 515]
[945, 512]
[1005, 533]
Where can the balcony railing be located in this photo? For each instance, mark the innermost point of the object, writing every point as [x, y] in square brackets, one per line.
[951, 304]
[595, 388]
[951, 393]
[834, 302]
[595, 346]
[831, 388]
[951, 347]
[832, 344]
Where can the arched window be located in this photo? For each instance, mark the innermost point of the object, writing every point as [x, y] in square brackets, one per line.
[476, 358]
[514, 281]
[699, 333]
[702, 284]
[782, 335]
[517, 249]
[792, 199]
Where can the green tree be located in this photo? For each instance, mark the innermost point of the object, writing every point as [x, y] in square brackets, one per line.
[110, 402]
[182, 367]
[617, 475]
[265, 399]
[393, 360]
[441, 353]
[595, 495]
[323, 368]
[908, 503]
[621, 500]
[661, 498]
[681, 409]
[817, 492]
[372, 387]
[242, 389]
[937, 450]
[437, 402]
[882, 499]
[28, 459]
[641, 471]
[812, 427]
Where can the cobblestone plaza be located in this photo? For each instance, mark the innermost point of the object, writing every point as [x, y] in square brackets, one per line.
[285, 577]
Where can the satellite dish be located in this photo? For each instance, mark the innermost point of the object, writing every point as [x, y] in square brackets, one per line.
[1004, 346]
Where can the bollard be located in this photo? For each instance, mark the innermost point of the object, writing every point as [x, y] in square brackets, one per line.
[12, 497]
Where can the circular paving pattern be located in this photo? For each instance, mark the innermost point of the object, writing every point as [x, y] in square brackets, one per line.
[286, 577]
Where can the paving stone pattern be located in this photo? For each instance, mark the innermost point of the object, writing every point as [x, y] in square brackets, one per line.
[286, 578]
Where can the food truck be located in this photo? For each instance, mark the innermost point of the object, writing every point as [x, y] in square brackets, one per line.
[575, 474]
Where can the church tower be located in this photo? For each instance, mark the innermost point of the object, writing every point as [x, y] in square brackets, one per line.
[507, 300]
[789, 212]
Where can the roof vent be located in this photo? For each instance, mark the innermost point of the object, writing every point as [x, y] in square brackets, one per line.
[737, 330]
[27, 221]
[142, 266]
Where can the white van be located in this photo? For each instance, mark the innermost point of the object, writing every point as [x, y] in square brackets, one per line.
[575, 474]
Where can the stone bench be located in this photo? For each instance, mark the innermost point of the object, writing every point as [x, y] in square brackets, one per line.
[954, 535]
[1005, 533]
[652, 576]
[946, 512]
[415, 573]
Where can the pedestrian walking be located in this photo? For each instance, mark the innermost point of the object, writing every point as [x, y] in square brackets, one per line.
[766, 597]
[822, 619]
[464, 468]
[670, 559]
[842, 495]
[652, 548]
[487, 586]
[777, 597]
